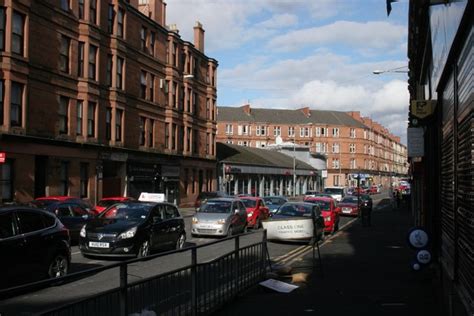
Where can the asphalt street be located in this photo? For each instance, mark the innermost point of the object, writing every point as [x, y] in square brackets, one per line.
[30, 303]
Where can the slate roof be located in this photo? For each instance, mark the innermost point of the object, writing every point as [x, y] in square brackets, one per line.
[257, 157]
[296, 117]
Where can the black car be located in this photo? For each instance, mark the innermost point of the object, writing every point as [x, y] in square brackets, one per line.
[34, 245]
[133, 229]
[72, 214]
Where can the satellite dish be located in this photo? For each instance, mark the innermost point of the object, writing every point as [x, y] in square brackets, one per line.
[278, 140]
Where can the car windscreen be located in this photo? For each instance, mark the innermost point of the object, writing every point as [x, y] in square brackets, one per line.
[333, 191]
[323, 205]
[107, 203]
[349, 199]
[294, 210]
[249, 202]
[133, 212]
[216, 207]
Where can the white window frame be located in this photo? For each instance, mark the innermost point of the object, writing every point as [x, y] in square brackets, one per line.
[291, 131]
[229, 129]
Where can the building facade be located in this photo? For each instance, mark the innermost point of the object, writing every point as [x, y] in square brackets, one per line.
[102, 98]
[353, 145]
[441, 86]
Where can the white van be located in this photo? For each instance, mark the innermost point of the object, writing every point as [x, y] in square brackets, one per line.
[337, 193]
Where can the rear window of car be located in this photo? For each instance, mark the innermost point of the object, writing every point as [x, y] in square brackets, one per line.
[295, 210]
[216, 207]
[349, 199]
[333, 191]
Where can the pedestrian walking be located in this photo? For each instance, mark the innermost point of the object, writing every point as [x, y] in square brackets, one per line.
[366, 214]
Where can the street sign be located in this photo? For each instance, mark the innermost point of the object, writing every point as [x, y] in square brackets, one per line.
[3, 156]
[416, 142]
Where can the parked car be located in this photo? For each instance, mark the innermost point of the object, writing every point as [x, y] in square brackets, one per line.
[257, 211]
[319, 195]
[45, 201]
[337, 193]
[34, 246]
[274, 202]
[220, 217]
[70, 212]
[108, 201]
[204, 196]
[310, 193]
[329, 211]
[296, 221]
[350, 205]
[133, 229]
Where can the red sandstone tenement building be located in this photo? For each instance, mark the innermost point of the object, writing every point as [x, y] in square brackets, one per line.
[352, 144]
[101, 98]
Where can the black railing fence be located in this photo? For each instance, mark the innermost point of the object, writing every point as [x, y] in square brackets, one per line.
[195, 289]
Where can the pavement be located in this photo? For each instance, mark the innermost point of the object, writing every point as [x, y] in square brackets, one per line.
[364, 271]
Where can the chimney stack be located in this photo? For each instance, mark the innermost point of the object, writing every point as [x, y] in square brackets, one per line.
[246, 108]
[154, 9]
[199, 37]
[306, 111]
[355, 115]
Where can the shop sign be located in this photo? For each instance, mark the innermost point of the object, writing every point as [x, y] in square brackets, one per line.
[415, 142]
[324, 173]
[114, 156]
[295, 229]
[422, 108]
[3, 156]
[418, 238]
[170, 171]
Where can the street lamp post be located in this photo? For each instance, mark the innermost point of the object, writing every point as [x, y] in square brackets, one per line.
[397, 70]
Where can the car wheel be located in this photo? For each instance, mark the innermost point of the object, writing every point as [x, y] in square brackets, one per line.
[230, 231]
[180, 242]
[144, 250]
[58, 266]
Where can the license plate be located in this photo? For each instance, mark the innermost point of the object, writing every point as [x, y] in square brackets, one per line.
[95, 244]
[346, 210]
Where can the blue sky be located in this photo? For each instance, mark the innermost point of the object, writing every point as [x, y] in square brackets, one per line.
[295, 53]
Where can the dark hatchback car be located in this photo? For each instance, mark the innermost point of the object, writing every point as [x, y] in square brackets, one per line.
[133, 229]
[71, 213]
[34, 245]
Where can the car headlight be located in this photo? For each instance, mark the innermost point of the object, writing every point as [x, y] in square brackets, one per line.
[221, 221]
[128, 234]
[250, 214]
[195, 220]
[327, 218]
[83, 232]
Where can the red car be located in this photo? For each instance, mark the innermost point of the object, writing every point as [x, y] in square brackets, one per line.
[372, 190]
[108, 201]
[256, 211]
[329, 211]
[349, 205]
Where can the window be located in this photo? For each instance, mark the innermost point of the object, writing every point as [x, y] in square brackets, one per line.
[335, 163]
[92, 61]
[63, 115]
[318, 131]
[193, 184]
[80, 60]
[277, 131]
[152, 87]
[365, 134]
[335, 132]
[143, 85]
[16, 110]
[208, 135]
[120, 16]
[353, 164]
[118, 125]
[167, 135]
[335, 148]
[195, 107]
[352, 148]
[64, 178]
[108, 123]
[93, 11]
[30, 222]
[186, 181]
[18, 31]
[173, 136]
[304, 132]
[79, 111]
[120, 63]
[142, 131]
[64, 54]
[152, 43]
[3, 19]
[195, 141]
[353, 133]
[245, 129]
[1, 100]
[318, 147]
[65, 5]
[6, 180]
[228, 129]
[81, 9]
[108, 78]
[151, 129]
[208, 111]
[110, 19]
[84, 185]
[291, 131]
[261, 130]
[143, 38]
[91, 119]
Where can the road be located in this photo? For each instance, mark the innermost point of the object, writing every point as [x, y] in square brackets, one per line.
[26, 304]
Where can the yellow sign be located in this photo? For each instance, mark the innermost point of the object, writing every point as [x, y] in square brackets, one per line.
[422, 108]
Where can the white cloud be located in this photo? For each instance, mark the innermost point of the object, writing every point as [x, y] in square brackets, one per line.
[366, 37]
[278, 21]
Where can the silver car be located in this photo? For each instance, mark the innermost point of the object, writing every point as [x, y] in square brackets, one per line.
[220, 217]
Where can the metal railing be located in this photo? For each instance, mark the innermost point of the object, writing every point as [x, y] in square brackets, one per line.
[195, 289]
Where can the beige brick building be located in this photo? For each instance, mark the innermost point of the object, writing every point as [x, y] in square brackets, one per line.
[102, 98]
[352, 144]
